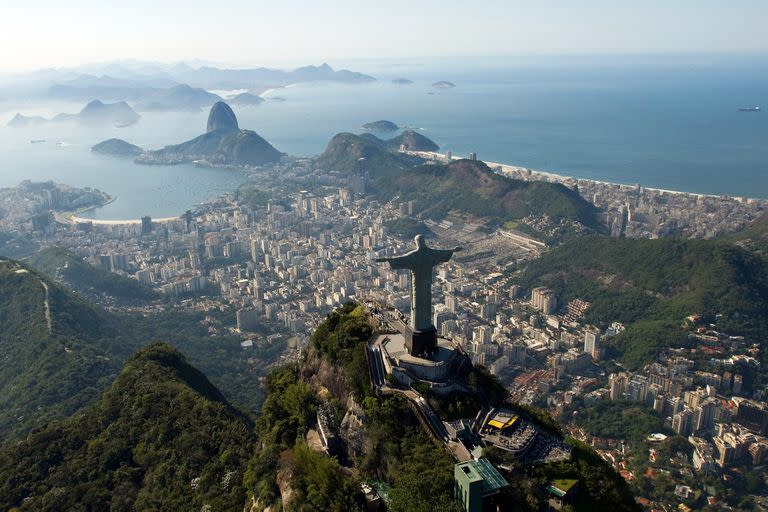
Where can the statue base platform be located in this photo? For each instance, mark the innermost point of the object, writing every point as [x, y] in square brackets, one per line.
[421, 343]
[439, 368]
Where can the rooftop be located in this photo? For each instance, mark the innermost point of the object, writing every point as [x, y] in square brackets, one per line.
[503, 419]
[483, 470]
[562, 486]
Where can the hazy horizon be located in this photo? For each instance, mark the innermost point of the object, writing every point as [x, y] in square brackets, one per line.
[48, 35]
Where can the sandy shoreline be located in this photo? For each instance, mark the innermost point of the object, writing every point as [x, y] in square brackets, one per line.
[101, 222]
[524, 172]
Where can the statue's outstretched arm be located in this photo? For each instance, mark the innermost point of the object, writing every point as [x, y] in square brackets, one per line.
[398, 262]
[443, 255]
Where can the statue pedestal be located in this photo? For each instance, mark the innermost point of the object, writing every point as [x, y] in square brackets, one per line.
[421, 343]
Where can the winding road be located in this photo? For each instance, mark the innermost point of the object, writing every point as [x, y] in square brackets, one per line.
[47, 307]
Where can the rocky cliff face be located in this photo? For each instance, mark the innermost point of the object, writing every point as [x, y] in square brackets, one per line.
[222, 119]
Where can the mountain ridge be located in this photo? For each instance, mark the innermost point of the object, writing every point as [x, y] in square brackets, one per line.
[95, 112]
[464, 185]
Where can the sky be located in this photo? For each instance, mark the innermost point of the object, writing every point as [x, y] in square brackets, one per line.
[64, 33]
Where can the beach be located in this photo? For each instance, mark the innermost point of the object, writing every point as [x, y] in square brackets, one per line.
[524, 173]
[75, 220]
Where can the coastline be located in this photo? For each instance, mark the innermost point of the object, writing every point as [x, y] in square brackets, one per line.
[524, 173]
[99, 222]
[268, 92]
[74, 217]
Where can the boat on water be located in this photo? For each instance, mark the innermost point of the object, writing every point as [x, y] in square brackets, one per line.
[37, 141]
[749, 109]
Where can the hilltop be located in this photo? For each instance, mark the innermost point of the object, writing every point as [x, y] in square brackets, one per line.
[653, 285]
[467, 186]
[221, 117]
[378, 437]
[222, 144]
[412, 141]
[161, 437]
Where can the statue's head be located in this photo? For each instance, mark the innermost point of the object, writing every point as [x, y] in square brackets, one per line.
[419, 239]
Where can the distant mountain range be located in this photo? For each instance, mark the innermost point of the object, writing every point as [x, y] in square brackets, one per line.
[185, 88]
[177, 98]
[95, 112]
[223, 143]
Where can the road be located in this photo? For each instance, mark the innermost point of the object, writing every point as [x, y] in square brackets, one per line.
[47, 307]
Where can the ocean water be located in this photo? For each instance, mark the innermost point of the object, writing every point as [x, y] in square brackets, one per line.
[670, 123]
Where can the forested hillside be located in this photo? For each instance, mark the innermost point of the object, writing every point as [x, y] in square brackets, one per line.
[161, 438]
[464, 186]
[49, 374]
[87, 279]
[652, 285]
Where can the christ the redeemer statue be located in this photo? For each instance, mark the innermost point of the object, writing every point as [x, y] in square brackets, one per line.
[421, 262]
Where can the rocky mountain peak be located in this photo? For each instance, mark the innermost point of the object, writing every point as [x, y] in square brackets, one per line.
[222, 118]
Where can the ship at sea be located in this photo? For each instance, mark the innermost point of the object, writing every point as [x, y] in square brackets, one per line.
[749, 109]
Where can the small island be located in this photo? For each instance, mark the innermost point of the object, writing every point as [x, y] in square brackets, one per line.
[402, 81]
[245, 99]
[117, 147]
[381, 126]
[443, 85]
